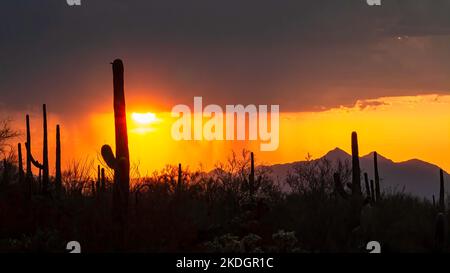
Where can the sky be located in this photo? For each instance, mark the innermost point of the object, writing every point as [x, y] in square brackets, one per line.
[332, 66]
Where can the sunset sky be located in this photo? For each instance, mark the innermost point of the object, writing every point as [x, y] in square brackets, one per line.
[333, 67]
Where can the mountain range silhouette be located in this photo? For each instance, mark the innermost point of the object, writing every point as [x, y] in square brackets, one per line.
[414, 176]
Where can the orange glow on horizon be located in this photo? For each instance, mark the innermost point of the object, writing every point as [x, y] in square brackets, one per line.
[399, 128]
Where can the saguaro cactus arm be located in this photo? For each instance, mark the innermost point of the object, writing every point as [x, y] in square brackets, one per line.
[32, 160]
[108, 156]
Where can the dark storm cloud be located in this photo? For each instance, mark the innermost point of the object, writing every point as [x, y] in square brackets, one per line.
[301, 54]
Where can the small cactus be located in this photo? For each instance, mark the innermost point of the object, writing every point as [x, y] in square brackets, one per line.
[98, 189]
[103, 180]
[180, 178]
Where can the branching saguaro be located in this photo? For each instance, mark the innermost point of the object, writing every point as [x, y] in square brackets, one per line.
[355, 186]
[43, 168]
[355, 196]
[120, 162]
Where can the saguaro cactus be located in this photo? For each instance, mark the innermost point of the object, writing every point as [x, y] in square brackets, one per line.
[120, 163]
[251, 178]
[366, 181]
[43, 168]
[377, 177]
[45, 171]
[20, 163]
[58, 178]
[441, 192]
[29, 173]
[251, 184]
[355, 197]
[356, 193]
[372, 186]
[356, 171]
[103, 181]
[98, 190]
[180, 178]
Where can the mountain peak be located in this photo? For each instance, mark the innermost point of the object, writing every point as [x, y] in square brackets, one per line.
[380, 157]
[337, 154]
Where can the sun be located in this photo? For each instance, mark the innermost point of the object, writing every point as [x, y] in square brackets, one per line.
[144, 118]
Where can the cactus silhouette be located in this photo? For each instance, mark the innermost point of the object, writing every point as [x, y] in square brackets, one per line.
[355, 197]
[20, 163]
[377, 177]
[251, 178]
[366, 181]
[356, 171]
[441, 192]
[180, 179]
[98, 189]
[120, 163]
[43, 168]
[372, 186]
[29, 173]
[251, 183]
[58, 178]
[355, 186]
[103, 181]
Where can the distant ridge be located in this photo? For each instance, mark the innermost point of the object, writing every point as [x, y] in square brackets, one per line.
[414, 176]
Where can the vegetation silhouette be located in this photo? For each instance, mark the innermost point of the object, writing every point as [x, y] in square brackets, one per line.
[238, 207]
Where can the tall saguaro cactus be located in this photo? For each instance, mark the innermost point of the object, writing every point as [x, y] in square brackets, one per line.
[120, 163]
[355, 197]
[43, 168]
[356, 193]
[356, 171]
[441, 192]
[377, 177]
[45, 171]
[58, 179]
[366, 181]
[29, 173]
[19, 159]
